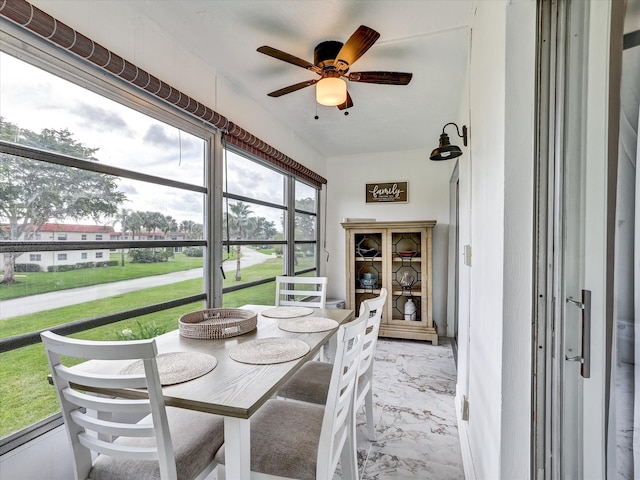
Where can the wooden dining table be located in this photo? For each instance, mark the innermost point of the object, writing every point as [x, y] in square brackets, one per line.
[232, 389]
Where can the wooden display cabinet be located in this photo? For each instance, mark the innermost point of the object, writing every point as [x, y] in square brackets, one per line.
[398, 257]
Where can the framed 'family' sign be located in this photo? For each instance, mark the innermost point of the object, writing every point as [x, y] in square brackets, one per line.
[387, 192]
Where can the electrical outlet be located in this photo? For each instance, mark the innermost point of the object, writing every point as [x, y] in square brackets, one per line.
[465, 408]
[467, 255]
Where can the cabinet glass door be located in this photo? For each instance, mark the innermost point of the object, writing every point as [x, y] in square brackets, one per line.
[407, 278]
[368, 266]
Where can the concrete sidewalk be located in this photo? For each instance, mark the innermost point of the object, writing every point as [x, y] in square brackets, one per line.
[63, 298]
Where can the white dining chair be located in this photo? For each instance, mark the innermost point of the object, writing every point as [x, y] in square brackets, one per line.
[167, 444]
[311, 382]
[304, 440]
[301, 291]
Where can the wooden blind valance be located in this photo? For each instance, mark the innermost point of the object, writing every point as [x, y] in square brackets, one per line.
[283, 163]
[48, 28]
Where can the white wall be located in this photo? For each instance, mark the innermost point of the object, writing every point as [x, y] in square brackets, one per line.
[487, 105]
[517, 341]
[497, 189]
[428, 200]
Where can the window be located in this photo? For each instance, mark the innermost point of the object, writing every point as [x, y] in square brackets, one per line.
[269, 228]
[168, 199]
[150, 186]
[306, 231]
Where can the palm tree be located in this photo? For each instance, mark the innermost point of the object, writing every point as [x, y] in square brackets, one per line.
[134, 222]
[187, 226]
[239, 222]
[122, 218]
[169, 225]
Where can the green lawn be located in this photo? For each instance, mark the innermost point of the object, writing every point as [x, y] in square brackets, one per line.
[43, 282]
[25, 395]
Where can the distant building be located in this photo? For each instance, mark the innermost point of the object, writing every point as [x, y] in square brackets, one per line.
[60, 232]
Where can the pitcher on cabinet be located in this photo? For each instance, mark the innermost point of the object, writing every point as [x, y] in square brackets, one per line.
[410, 310]
[406, 280]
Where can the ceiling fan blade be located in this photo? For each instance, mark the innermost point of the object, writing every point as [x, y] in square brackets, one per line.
[347, 104]
[361, 41]
[384, 78]
[292, 88]
[287, 57]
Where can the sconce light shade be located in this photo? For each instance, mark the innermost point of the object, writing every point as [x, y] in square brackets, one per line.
[445, 150]
[331, 91]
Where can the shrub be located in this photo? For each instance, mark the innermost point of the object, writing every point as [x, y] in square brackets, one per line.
[108, 263]
[145, 255]
[193, 252]
[60, 268]
[141, 332]
[85, 265]
[26, 267]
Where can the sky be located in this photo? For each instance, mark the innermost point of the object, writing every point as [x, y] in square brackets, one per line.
[35, 99]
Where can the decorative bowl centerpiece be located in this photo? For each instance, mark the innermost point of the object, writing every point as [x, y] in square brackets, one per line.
[217, 323]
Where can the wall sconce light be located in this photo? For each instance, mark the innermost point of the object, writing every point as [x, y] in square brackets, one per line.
[331, 91]
[446, 151]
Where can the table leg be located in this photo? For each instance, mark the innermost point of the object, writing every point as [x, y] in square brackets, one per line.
[237, 441]
[330, 349]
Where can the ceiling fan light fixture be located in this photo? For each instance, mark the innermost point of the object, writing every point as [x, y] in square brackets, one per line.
[331, 91]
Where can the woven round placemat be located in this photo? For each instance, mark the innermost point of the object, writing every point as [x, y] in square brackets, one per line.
[307, 324]
[176, 367]
[265, 351]
[287, 312]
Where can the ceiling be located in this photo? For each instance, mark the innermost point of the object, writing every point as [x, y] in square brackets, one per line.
[429, 38]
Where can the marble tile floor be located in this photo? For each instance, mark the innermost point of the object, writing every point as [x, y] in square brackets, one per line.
[416, 429]
[624, 415]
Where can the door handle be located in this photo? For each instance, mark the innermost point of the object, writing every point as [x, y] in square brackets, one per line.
[585, 358]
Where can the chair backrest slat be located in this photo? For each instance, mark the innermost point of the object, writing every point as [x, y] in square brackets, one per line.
[101, 381]
[122, 452]
[105, 404]
[301, 291]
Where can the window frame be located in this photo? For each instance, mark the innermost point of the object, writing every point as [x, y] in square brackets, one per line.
[288, 209]
[68, 67]
[29, 48]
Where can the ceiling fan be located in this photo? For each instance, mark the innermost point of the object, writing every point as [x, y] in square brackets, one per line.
[332, 60]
